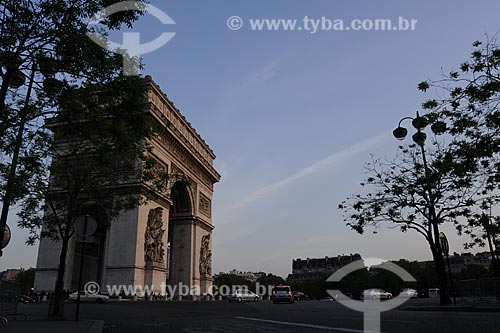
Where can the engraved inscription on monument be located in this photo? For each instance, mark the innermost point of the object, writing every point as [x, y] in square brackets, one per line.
[205, 205]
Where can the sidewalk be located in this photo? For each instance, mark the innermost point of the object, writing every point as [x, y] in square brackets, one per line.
[463, 305]
[38, 326]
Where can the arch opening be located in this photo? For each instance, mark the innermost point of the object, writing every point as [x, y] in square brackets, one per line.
[178, 246]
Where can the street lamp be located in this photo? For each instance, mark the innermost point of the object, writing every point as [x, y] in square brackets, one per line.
[485, 222]
[419, 137]
[419, 123]
[12, 62]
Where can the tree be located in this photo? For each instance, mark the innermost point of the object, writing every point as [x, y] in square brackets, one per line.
[417, 191]
[315, 289]
[469, 105]
[232, 280]
[25, 278]
[423, 272]
[270, 280]
[46, 42]
[463, 176]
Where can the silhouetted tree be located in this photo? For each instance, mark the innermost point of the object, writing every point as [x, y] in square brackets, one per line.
[25, 279]
[469, 106]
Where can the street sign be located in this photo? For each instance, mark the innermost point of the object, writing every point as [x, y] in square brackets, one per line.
[85, 226]
[6, 237]
[443, 241]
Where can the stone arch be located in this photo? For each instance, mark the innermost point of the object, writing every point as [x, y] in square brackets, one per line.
[179, 254]
[182, 199]
[188, 157]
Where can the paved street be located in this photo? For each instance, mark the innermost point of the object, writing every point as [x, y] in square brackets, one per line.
[313, 316]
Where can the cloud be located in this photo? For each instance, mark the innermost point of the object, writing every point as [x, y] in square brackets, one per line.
[316, 167]
[266, 73]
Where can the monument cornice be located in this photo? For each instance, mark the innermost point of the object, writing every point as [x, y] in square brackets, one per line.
[183, 158]
[194, 220]
[181, 129]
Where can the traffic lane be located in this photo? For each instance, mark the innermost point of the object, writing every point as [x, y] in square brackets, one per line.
[333, 314]
[201, 316]
[218, 316]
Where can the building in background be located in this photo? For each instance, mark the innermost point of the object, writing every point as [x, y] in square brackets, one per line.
[460, 261]
[317, 268]
[250, 276]
[9, 275]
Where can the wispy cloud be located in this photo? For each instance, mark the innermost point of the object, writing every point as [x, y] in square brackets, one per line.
[266, 73]
[316, 167]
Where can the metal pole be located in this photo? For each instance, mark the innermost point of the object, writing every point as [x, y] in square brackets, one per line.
[9, 189]
[451, 280]
[81, 269]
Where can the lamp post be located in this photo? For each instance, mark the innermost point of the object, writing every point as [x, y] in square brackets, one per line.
[11, 178]
[443, 241]
[15, 79]
[419, 137]
[485, 222]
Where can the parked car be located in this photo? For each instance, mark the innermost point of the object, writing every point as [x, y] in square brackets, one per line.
[242, 295]
[376, 294]
[300, 296]
[434, 292]
[282, 294]
[423, 293]
[408, 292]
[86, 297]
[26, 299]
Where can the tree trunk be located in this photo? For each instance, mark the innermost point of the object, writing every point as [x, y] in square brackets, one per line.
[444, 295]
[57, 308]
[11, 179]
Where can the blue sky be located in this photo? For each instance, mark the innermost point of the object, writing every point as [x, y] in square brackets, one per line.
[293, 116]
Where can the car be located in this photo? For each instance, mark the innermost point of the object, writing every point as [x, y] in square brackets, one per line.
[282, 294]
[434, 292]
[26, 299]
[241, 295]
[336, 296]
[86, 297]
[327, 299]
[375, 293]
[408, 292]
[300, 296]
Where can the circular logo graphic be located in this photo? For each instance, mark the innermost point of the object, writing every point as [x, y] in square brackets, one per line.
[6, 237]
[235, 23]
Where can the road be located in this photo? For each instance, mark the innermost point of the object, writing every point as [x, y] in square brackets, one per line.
[312, 316]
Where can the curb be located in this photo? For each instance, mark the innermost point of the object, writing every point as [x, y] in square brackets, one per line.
[97, 326]
[454, 309]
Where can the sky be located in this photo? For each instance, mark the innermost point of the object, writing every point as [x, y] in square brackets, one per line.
[293, 116]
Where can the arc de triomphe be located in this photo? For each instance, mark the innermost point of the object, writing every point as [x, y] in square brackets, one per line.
[167, 240]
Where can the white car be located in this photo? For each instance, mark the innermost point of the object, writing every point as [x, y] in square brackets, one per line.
[243, 295]
[86, 297]
[282, 294]
[376, 294]
[408, 292]
[434, 292]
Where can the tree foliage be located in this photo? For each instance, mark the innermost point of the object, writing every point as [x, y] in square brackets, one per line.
[58, 85]
[270, 280]
[453, 179]
[44, 53]
[469, 105]
[231, 280]
[25, 278]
